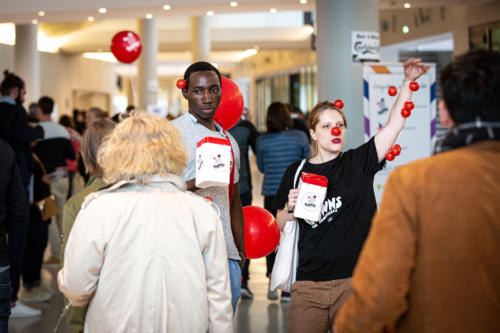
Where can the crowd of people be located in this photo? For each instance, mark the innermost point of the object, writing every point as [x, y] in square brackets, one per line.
[141, 247]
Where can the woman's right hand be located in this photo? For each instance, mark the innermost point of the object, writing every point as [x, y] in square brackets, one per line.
[292, 198]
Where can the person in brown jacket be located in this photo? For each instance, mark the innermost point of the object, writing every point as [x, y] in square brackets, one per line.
[431, 262]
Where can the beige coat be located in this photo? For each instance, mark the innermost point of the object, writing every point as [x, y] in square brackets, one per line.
[149, 259]
[431, 262]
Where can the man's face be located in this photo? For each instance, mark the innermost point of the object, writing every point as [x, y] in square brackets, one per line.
[203, 95]
[90, 118]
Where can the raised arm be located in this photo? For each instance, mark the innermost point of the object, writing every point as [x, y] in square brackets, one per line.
[385, 138]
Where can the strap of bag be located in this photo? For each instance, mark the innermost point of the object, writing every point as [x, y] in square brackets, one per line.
[299, 169]
[37, 159]
[231, 176]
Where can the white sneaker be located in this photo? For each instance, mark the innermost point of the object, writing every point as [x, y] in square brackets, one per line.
[20, 310]
[37, 294]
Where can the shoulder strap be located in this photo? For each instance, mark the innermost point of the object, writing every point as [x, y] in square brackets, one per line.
[231, 176]
[297, 173]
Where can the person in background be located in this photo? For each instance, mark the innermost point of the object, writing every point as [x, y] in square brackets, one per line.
[298, 120]
[16, 132]
[245, 133]
[79, 120]
[53, 151]
[91, 142]
[75, 139]
[203, 93]
[94, 114]
[13, 214]
[276, 150]
[431, 263]
[119, 116]
[158, 263]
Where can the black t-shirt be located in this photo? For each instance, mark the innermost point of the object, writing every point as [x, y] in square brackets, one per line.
[329, 250]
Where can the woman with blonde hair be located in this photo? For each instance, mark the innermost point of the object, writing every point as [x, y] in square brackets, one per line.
[329, 248]
[146, 254]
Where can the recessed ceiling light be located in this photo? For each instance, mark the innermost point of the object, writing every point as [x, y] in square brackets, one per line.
[234, 4]
[41, 13]
[407, 5]
[90, 19]
[405, 29]
[167, 7]
[273, 10]
[34, 21]
[303, 2]
[210, 13]
[102, 10]
[149, 16]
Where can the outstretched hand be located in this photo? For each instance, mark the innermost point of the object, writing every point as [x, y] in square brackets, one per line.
[414, 68]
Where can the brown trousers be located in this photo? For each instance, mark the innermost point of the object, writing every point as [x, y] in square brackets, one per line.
[315, 305]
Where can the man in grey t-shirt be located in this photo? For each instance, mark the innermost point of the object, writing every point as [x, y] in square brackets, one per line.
[203, 92]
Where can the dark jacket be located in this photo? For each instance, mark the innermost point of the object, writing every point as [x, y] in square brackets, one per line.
[13, 201]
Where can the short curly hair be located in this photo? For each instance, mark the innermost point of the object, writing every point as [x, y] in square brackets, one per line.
[140, 146]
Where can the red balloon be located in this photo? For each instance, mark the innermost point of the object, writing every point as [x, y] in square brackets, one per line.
[392, 91]
[126, 46]
[389, 156]
[339, 104]
[180, 84]
[231, 105]
[409, 105]
[336, 131]
[261, 232]
[414, 86]
[405, 113]
[397, 147]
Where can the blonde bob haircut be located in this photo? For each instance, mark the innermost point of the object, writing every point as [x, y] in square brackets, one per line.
[314, 119]
[140, 146]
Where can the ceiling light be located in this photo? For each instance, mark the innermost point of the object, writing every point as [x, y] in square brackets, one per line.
[405, 29]
[167, 7]
[34, 21]
[210, 13]
[273, 10]
[90, 19]
[102, 10]
[303, 2]
[234, 4]
[407, 5]
[41, 13]
[149, 16]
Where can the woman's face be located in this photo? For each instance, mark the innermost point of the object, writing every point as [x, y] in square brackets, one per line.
[322, 134]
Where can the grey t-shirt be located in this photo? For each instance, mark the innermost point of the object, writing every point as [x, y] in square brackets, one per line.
[192, 133]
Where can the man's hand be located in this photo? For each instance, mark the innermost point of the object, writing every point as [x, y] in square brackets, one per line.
[413, 69]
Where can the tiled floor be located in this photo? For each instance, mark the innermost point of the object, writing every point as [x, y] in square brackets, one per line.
[258, 315]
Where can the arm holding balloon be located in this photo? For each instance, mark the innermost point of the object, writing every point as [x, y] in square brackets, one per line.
[385, 138]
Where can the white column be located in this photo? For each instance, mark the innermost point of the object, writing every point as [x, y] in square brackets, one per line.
[200, 38]
[27, 60]
[338, 76]
[146, 68]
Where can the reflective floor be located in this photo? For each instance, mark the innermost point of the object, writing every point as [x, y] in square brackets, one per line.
[258, 315]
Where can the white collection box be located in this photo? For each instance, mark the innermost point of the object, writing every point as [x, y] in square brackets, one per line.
[312, 193]
[213, 162]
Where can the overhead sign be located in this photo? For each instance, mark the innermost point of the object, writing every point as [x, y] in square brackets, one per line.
[365, 46]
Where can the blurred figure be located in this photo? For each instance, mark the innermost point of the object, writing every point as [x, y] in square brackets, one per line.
[91, 142]
[53, 151]
[94, 114]
[276, 150]
[430, 262]
[79, 120]
[75, 139]
[13, 214]
[298, 122]
[158, 264]
[120, 116]
[245, 133]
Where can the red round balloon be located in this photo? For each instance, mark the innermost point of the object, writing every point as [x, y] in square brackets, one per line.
[126, 46]
[339, 104]
[392, 91]
[409, 105]
[336, 131]
[414, 86]
[389, 156]
[231, 105]
[261, 232]
[405, 113]
[180, 83]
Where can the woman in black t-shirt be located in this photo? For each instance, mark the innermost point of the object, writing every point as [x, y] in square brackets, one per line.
[329, 248]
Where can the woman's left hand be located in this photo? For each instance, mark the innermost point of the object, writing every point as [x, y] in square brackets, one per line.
[414, 68]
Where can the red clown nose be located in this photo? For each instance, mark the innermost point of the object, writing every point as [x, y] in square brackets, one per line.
[339, 104]
[392, 91]
[180, 84]
[336, 131]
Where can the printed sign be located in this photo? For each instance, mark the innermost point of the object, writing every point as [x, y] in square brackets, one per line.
[365, 46]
